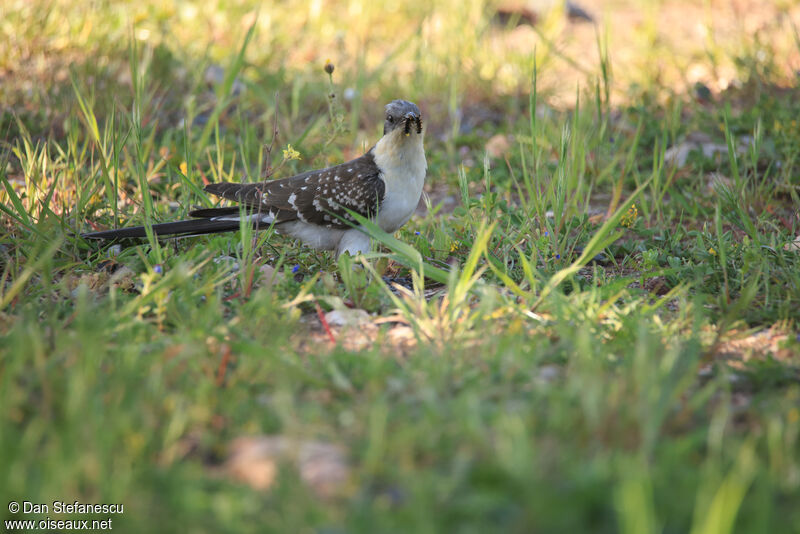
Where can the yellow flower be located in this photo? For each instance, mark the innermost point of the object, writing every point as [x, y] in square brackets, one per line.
[290, 153]
[712, 251]
[184, 168]
[630, 217]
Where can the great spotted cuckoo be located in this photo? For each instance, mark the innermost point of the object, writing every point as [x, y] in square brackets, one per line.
[385, 185]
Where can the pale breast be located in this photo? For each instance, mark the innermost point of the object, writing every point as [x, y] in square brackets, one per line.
[399, 202]
[403, 169]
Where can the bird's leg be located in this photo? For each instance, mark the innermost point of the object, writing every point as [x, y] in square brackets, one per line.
[353, 242]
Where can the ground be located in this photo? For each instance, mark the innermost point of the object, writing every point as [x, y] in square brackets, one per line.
[589, 325]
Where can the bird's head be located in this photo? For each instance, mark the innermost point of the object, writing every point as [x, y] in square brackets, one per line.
[404, 117]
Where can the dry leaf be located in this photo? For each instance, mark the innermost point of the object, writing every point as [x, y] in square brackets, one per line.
[498, 146]
[793, 246]
[757, 345]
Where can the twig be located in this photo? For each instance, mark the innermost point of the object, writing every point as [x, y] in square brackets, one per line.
[223, 365]
[269, 170]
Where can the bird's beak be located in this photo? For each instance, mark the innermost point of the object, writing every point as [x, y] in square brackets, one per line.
[412, 119]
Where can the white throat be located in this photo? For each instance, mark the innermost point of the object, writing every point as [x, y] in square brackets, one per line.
[401, 158]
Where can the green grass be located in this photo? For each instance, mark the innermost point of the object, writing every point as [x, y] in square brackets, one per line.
[576, 307]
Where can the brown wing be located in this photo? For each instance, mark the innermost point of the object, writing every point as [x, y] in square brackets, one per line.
[316, 197]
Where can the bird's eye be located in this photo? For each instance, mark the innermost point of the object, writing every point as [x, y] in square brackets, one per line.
[389, 118]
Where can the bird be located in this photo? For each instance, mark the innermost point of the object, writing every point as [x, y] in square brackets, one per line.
[383, 185]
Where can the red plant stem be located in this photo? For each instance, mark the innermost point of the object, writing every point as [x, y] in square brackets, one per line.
[223, 365]
[324, 322]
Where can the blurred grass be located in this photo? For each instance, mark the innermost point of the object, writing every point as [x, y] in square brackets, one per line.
[581, 354]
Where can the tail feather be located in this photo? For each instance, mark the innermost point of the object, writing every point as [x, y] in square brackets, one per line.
[206, 221]
[178, 228]
[214, 212]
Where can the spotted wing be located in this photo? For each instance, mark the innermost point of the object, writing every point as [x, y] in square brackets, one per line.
[317, 197]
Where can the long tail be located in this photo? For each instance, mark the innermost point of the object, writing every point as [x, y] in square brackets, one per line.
[211, 221]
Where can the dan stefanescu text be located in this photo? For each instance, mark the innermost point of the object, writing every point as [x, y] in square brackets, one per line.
[60, 507]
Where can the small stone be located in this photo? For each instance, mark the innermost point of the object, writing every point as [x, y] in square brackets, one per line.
[347, 317]
[268, 276]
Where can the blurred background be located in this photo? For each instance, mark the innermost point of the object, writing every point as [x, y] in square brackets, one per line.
[465, 62]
